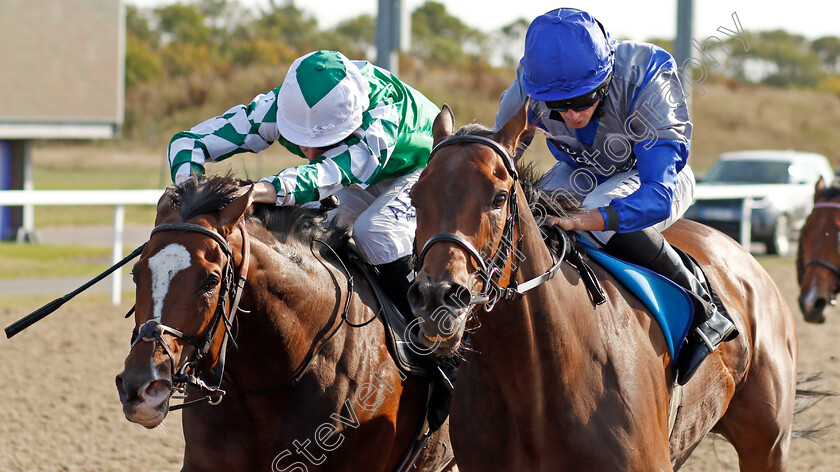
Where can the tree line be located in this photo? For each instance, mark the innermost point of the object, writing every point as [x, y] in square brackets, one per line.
[219, 35]
[216, 36]
[190, 60]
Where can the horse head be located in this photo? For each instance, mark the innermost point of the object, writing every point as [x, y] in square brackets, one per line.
[185, 289]
[466, 202]
[818, 257]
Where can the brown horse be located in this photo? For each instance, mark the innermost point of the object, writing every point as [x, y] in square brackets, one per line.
[551, 382]
[304, 389]
[818, 257]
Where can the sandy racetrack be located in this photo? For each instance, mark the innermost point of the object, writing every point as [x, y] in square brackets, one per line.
[59, 409]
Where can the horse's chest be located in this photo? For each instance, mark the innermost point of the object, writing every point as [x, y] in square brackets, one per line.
[540, 433]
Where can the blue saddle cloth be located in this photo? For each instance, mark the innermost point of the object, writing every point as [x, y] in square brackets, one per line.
[669, 303]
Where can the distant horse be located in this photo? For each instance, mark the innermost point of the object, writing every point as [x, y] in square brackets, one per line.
[818, 256]
[303, 387]
[549, 381]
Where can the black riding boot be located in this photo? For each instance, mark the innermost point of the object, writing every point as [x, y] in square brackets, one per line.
[395, 280]
[710, 327]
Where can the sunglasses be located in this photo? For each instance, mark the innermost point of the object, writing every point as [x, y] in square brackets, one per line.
[581, 102]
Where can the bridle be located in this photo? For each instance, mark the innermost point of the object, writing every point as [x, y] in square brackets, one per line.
[490, 269]
[153, 330]
[834, 269]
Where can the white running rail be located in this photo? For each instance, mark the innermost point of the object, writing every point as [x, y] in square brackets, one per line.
[116, 198]
[120, 198]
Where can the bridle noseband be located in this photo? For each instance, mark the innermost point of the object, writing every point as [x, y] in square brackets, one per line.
[490, 269]
[153, 330]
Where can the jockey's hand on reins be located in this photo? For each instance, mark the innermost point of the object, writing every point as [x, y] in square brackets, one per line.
[589, 220]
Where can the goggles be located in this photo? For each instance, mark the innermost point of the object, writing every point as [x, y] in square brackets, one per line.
[581, 102]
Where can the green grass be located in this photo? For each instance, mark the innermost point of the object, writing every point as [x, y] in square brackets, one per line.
[63, 167]
[57, 178]
[91, 215]
[27, 261]
[776, 261]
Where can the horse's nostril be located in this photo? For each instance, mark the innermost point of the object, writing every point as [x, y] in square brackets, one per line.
[424, 296]
[155, 391]
[820, 304]
[440, 294]
[120, 389]
[415, 297]
[458, 297]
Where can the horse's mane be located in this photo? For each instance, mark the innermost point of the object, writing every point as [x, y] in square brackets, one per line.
[301, 223]
[202, 195]
[557, 203]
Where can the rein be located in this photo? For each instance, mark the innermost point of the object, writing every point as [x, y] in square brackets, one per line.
[304, 366]
[153, 330]
[834, 269]
[503, 255]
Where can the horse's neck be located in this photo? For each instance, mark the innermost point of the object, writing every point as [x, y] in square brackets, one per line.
[290, 301]
[551, 318]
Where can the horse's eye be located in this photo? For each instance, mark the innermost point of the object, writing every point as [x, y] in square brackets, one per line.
[500, 199]
[211, 283]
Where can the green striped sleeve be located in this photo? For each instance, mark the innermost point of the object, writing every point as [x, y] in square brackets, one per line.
[243, 128]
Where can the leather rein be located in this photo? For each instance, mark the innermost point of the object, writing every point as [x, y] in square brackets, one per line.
[834, 269]
[153, 330]
[489, 270]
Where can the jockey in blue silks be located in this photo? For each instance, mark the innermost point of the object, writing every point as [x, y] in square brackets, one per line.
[615, 118]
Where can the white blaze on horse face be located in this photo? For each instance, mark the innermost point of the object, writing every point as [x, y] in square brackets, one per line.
[164, 265]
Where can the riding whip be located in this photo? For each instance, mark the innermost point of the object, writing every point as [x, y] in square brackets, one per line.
[50, 307]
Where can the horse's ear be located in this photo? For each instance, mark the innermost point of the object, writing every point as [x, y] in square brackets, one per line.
[166, 207]
[444, 125]
[230, 214]
[515, 127]
[819, 188]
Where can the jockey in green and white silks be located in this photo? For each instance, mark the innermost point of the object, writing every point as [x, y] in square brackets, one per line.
[616, 120]
[366, 134]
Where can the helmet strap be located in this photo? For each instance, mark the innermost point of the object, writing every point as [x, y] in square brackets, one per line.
[600, 110]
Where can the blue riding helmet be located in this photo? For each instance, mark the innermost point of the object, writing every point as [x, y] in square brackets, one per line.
[567, 53]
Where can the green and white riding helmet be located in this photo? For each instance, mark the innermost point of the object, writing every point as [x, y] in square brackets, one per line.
[321, 100]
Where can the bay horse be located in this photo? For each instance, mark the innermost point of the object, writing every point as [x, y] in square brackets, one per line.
[307, 379]
[818, 255]
[549, 381]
